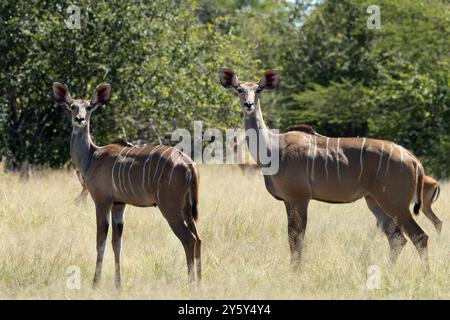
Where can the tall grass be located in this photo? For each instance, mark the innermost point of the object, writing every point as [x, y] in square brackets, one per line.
[245, 248]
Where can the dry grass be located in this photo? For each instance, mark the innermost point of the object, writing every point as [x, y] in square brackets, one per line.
[245, 246]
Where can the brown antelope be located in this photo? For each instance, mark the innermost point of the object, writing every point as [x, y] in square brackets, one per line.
[431, 187]
[118, 174]
[334, 170]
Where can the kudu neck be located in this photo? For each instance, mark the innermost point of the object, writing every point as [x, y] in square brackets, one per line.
[82, 148]
[255, 122]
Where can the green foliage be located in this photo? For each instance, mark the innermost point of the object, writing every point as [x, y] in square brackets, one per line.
[162, 57]
[160, 60]
[322, 107]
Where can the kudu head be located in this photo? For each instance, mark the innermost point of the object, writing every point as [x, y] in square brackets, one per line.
[249, 92]
[81, 109]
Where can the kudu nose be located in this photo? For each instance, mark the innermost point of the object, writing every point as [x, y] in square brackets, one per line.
[79, 119]
[248, 105]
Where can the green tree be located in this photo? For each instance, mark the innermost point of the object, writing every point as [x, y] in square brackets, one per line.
[160, 60]
[162, 57]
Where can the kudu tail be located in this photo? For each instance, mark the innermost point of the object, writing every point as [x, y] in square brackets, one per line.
[419, 188]
[193, 183]
[436, 193]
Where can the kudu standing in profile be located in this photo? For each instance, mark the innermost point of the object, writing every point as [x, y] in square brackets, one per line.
[118, 174]
[335, 170]
[431, 189]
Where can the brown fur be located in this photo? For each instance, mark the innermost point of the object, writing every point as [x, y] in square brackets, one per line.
[302, 128]
[81, 198]
[123, 143]
[431, 187]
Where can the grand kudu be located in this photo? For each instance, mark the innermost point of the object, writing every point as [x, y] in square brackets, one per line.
[118, 174]
[431, 189]
[335, 170]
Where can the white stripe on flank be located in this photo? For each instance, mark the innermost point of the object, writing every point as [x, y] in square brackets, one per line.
[149, 157]
[143, 171]
[401, 155]
[129, 170]
[417, 177]
[337, 159]
[123, 171]
[389, 159]
[159, 160]
[410, 155]
[307, 158]
[361, 158]
[164, 165]
[177, 161]
[326, 158]
[381, 158]
[118, 173]
[162, 172]
[314, 158]
[112, 171]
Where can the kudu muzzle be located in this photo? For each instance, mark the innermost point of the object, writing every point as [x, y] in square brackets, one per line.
[79, 121]
[249, 107]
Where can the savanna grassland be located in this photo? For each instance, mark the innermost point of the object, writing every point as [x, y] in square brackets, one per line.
[245, 249]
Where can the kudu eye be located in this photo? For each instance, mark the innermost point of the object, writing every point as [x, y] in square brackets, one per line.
[89, 108]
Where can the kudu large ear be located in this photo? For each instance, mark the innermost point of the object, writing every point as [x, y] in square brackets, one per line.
[101, 95]
[228, 78]
[61, 94]
[270, 80]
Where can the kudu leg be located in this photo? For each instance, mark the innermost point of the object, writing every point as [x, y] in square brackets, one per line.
[188, 240]
[416, 234]
[433, 218]
[393, 233]
[404, 219]
[103, 217]
[297, 219]
[198, 248]
[117, 215]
